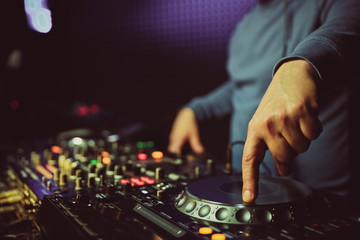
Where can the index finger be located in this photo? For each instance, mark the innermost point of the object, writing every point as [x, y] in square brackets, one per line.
[254, 152]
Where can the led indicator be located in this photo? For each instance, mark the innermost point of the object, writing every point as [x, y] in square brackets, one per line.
[157, 155]
[93, 162]
[142, 156]
[106, 160]
[147, 180]
[218, 236]
[205, 230]
[94, 109]
[150, 144]
[56, 149]
[124, 181]
[140, 144]
[83, 111]
[14, 105]
[105, 154]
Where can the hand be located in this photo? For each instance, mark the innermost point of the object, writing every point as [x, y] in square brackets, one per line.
[285, 122]
[185, 129]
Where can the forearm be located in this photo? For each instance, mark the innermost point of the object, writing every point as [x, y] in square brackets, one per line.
[215, 104]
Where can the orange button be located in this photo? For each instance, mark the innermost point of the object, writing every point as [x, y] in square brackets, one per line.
[205, 230]
[218, 236]
[157, 155]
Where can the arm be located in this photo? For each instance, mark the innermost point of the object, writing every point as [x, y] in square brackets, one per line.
[185, 127]
[286, 121]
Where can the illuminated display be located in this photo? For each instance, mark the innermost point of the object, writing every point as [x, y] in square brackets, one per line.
[38, 15]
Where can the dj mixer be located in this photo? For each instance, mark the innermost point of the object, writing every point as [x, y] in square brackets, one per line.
[97, 189]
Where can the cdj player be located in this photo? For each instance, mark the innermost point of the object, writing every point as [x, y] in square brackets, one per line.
[106, 190]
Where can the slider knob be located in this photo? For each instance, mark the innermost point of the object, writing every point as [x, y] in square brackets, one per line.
[63, 180]
[160, 194]
[210, 167]
[159, 174]
[91, 182]
[57, 175]
[78, 184]
[197, 172]
[137, 169]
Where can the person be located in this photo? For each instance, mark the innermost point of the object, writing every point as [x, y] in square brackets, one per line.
[291, 68]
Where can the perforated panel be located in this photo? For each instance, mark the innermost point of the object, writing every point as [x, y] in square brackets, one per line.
[197, 28]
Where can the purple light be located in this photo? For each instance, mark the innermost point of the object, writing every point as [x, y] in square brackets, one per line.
[38, 15]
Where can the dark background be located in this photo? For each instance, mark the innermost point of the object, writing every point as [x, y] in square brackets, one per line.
[136, 61]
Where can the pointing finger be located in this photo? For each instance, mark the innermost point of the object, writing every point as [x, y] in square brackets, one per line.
[254, 151]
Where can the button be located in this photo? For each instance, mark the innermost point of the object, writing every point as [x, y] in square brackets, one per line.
[218, 236]
[243, 215]
[205, 230]
[190, 206]
[204, 211]
[222, 214]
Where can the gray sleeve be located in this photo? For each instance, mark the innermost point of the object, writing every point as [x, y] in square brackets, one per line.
[333, 47]
[216, 104]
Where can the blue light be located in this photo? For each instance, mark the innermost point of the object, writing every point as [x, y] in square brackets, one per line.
[39, 15]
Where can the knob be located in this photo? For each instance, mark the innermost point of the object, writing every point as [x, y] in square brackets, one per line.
[196, 172]
[137, 169]
[91, 182]
[110, 169]
[160, 194]
[159, 174]
[78, 184]
[57, 175]
[63, 180]
[210, 167]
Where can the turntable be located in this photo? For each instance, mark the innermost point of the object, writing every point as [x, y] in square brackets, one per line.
[219, 200]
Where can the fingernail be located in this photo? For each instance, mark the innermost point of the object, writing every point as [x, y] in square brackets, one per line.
[247, 196]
